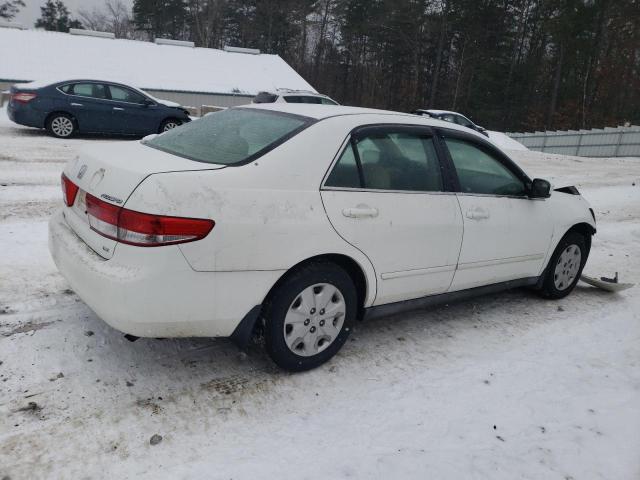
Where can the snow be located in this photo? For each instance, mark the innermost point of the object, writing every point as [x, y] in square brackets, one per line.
[42, 56]
[505, 142]
[501, 387]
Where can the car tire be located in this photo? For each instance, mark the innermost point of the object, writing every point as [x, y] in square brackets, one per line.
[565, 266]
[309, 316]
[61, 125]
[169, 124]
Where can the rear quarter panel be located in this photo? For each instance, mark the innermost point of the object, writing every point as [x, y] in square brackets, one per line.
[269, 214]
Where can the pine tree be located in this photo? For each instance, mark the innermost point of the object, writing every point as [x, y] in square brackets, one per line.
[55, 16]
[9, 9]
[162, 18]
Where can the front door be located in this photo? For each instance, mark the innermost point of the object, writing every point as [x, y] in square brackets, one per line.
[506, 234]
[131, 114]
[385, 195]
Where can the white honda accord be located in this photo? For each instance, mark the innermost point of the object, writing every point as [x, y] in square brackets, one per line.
[299, 220]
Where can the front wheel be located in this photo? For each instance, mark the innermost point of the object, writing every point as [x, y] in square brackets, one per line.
[309, 316]
[565, 266]
[169, 124]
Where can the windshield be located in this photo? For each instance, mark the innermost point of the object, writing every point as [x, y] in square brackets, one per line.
[230, 137]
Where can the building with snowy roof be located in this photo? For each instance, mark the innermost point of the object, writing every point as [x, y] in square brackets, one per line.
[166, 69]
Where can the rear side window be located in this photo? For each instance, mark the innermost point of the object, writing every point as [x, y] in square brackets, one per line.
[345, 174]
[229, 137]
[92, 90]
[460, 120]
[308, 99]
[265, 97]
[302, 99]
[447, 117]
[389, 161]
[125, 95]
[480, 172]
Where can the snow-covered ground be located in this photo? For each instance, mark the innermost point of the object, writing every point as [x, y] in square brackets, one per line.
[502, 387]
[505, 142]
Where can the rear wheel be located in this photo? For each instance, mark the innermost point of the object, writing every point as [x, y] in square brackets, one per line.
[565, 266]
[169, 124]
[309, 316]
[61, 125]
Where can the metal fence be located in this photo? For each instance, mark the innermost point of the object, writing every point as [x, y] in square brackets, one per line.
[607, 142]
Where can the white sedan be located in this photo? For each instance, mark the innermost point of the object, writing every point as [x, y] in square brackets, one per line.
[299, 220]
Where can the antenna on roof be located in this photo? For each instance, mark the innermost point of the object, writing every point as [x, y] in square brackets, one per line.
[16, 25]
[250, 51]
[175, 43]
[91, 33]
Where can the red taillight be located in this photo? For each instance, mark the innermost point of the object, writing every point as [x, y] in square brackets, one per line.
[23, 97]
[143, 229]
[69, 190]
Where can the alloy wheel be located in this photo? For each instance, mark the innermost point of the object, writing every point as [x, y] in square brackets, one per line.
[62, 126]
[170, 126]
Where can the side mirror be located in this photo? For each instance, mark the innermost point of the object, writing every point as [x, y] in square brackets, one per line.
[148, 102]
[540, 189]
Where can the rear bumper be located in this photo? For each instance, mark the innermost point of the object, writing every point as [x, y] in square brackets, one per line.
[25, 115]
[153, 292]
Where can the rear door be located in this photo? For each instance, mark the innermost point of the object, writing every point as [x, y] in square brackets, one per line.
[89, 104]
[130, 113]
[506, 234]
[386, 195]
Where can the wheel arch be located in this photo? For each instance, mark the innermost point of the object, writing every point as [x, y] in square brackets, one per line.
[247, 327]
[351, 266]
[166, 119]
[583, 228]
[57, 112]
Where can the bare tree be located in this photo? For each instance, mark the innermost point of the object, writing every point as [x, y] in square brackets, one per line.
[113, 16]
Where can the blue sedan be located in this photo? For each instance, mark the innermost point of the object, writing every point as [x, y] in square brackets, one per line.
[92, 106]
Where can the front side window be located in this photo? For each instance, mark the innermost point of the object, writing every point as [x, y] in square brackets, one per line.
[92, 90]
[229, 137]
[121, 94]
[389, 161]
[480, 172]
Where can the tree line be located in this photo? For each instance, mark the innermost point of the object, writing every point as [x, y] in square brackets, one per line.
[508, 64]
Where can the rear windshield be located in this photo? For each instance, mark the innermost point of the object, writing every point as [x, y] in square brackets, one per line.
[230, 137]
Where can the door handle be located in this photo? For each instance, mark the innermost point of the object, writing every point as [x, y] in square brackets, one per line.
[118, 109]
[76, 105]
[478, 214]
[360, 212]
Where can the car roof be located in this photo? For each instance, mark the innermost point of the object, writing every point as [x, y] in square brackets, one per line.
[56, 82]
[319, 112]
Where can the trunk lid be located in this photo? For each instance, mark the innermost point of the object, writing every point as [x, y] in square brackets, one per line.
[111, 173]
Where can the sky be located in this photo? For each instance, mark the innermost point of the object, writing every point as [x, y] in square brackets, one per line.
[31, 11]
